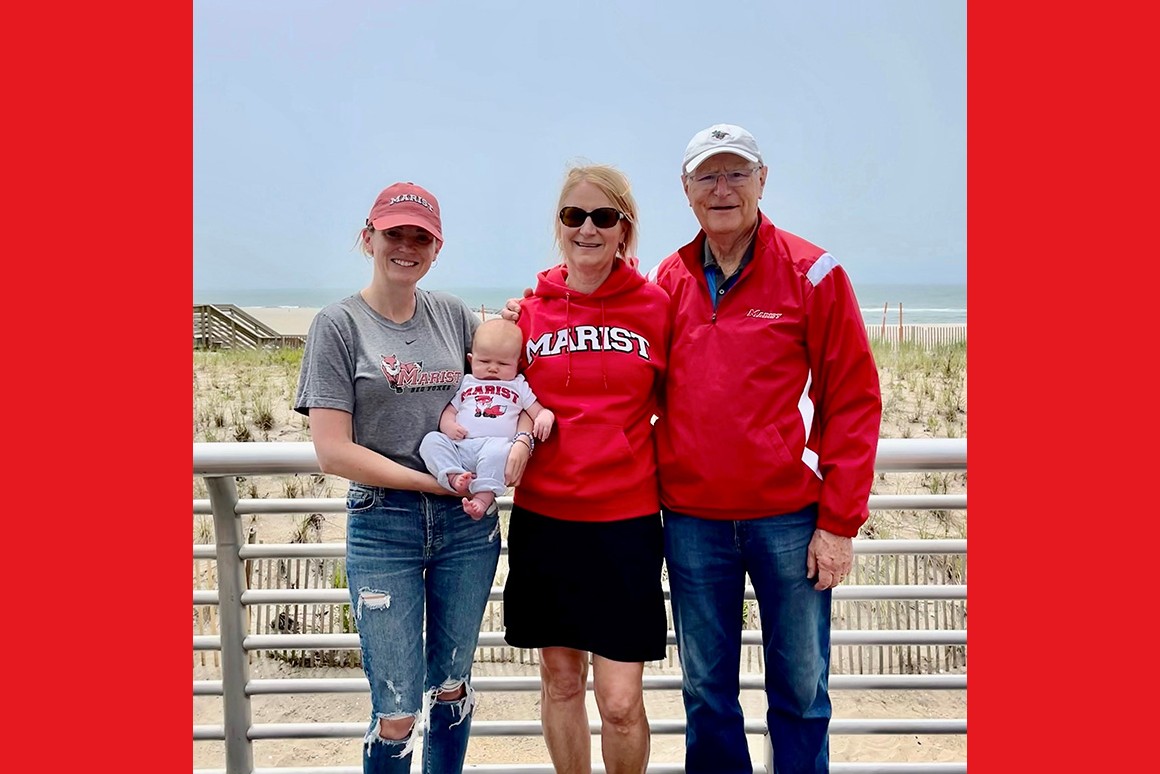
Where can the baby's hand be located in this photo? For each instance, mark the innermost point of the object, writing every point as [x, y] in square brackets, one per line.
[542, 425]
[456, 432]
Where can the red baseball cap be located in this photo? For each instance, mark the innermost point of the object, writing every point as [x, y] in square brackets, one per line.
[406, 204]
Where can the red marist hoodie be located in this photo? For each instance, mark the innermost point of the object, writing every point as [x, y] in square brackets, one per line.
[597, 361]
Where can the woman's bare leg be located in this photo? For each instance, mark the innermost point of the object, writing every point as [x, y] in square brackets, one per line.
[624, 733]
[563, 714]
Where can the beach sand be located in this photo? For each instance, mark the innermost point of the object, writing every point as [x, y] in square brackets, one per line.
[524, 705]
[289, 321]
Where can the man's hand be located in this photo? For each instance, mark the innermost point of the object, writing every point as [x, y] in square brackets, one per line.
[511, 309]
[830, 558]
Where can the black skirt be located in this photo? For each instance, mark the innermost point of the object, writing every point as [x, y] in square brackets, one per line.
[593, 586]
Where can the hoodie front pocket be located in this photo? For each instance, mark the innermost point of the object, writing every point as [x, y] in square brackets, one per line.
[585, 453]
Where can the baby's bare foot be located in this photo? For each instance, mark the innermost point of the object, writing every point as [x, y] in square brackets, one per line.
[477, 507]
[461, 482]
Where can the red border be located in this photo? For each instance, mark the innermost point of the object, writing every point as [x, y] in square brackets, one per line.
[97, 277]
[98, 239]
[1062, 298]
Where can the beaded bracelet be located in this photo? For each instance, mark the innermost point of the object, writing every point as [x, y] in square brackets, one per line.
[531, 441]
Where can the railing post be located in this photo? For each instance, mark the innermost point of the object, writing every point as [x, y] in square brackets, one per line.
[227, 527]
[768, 749]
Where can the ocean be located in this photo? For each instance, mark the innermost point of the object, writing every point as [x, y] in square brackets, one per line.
[921, 304]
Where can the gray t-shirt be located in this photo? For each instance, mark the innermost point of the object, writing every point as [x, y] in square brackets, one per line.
[393, 378]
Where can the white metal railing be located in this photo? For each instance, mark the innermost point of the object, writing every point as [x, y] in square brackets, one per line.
[288, 457]
[219, 463]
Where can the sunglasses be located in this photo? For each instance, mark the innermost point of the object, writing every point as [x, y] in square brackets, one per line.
[602, 217]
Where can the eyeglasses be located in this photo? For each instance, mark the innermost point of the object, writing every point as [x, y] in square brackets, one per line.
[602, 217]
[734, 178]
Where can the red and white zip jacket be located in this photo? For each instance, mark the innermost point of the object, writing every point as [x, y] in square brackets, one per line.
[772, 401]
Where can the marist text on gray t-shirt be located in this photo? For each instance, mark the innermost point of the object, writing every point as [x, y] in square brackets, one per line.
[393, 378]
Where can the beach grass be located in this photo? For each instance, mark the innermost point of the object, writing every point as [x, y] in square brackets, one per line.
[247, 395]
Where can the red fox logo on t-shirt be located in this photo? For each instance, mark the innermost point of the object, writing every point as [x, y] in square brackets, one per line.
[483, 407]
[400, 375]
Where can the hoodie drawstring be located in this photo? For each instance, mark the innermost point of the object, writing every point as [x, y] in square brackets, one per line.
[603, 327]
[568, 326]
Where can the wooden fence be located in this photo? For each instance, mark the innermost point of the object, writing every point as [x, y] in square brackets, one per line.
[868, 569]
[930, 335]
[918, 615]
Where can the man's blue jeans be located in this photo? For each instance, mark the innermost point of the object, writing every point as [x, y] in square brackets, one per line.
[707, 562]
[411, 556]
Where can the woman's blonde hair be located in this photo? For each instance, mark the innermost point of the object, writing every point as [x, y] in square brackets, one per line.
[612, 182]
[360, 242]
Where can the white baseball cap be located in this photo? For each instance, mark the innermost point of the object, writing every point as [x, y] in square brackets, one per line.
[720, 138]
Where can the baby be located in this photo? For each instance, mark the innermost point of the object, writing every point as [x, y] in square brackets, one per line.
[478, 426]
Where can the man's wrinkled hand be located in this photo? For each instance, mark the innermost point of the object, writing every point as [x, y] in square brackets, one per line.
[829, 558]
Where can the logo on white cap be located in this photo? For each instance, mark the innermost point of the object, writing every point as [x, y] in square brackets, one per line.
[720, 138]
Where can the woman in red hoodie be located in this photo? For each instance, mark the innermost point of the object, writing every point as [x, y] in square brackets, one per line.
[585, 542]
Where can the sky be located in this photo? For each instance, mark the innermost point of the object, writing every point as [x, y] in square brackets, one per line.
[304, 111]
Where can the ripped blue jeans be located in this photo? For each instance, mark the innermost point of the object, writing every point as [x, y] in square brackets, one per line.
[407, 551]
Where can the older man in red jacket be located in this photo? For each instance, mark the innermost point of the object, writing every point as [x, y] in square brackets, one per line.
[765, 450]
